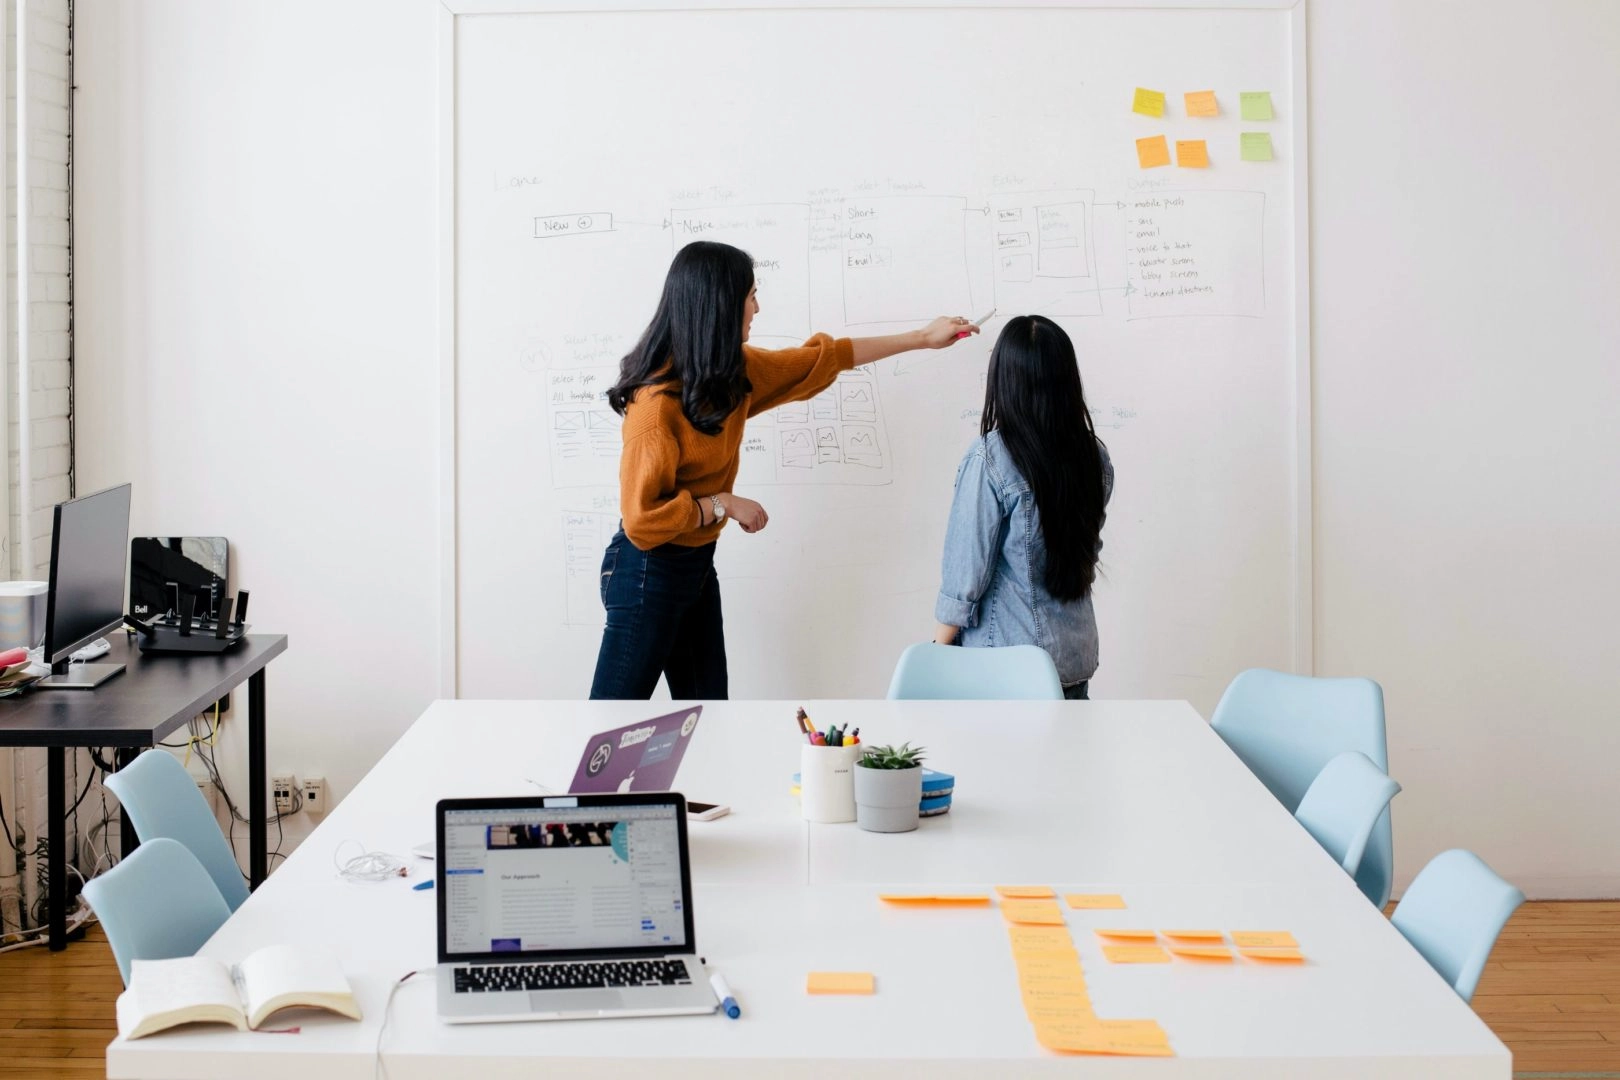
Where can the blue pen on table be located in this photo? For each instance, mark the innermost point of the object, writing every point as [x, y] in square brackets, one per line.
[728, 1003]
[428, 884]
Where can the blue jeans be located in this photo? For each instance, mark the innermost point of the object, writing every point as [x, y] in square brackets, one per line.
[663, 617]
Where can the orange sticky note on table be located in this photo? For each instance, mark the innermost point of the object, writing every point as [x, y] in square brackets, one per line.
[1273, 956]
[1148, 102]
[1202, 103]
[1135, 954]
[1037, 939]
[1025, 892]
[1037, 912]
[1130, 935]
[1202, 952]
[1151, 153]
[1264, 939]
[937, 900]
[1195, 935]
[1129, 1038]
[1192, 154]
[839, 982]
[1095, 901]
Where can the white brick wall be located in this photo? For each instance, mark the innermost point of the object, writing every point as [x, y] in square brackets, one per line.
[22, 774]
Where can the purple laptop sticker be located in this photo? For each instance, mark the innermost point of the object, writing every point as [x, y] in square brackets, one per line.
[638, 757]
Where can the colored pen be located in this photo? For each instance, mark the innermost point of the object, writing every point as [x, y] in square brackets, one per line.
[982, 320]
[428, 884]
[803, 719]
[728, 1003]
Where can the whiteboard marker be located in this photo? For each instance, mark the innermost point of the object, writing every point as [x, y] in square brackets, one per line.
[982, 320]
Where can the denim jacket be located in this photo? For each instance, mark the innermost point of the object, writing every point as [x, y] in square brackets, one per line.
[992, 581]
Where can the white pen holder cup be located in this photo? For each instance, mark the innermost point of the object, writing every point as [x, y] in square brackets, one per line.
[827, 782]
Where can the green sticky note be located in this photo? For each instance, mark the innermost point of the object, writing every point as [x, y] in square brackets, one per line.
[1256, 104]
[1256, 145]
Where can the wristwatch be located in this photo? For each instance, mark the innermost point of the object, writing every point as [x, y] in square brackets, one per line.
[719, 507]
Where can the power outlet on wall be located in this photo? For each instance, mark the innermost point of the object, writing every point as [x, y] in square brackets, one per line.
[315, 795]
[282, 786]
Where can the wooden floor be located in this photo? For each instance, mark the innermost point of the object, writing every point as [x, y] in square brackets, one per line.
[1551, 993]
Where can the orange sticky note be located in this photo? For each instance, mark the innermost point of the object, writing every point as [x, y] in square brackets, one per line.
[1148, 102]
[1273, 956]
[1095, 901]
[1038, 912]
[1132, 935]
[1055, 1002]
[1040, 939]
[1195, 935]
[1264, 939]
[1135, 954]
[1192, 154]
[1133, 1038]
[937, 900]
[1151, 153]
[1202, 952]
[1202, 103]
[839, 982]
[1025, 892]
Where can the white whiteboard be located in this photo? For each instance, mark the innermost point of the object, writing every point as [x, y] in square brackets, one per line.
[881, 166]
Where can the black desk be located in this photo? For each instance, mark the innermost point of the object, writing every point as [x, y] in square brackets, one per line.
[140, 708]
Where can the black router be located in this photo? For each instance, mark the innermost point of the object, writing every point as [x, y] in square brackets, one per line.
[200, 636]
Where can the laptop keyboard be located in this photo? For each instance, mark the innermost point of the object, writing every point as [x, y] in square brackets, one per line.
[495, 978]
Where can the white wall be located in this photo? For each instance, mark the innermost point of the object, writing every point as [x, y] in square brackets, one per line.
[256, 237]
[256, 217]
[1465, 269]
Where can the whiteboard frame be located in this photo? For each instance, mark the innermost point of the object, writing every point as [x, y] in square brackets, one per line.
[447, 11]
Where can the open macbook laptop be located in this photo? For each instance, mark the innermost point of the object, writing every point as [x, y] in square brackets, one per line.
[563, 907]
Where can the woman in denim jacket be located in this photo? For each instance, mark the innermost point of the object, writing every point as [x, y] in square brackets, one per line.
[1024, 534]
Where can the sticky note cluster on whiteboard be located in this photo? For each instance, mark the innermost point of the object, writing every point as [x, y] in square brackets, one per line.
[1153, 152]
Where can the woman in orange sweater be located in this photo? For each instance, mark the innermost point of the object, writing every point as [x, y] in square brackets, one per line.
[684, 392]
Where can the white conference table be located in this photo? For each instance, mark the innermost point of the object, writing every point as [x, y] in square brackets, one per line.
[1135, 797]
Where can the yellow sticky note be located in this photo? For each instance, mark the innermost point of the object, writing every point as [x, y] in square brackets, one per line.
[1134, 1038]
[1151, 153]
[1202, 952]
[1273, 956]
[1095, 901]
[1040, 939]
[1025, 892]
[839, 982]
[1255, 145]
[936, 900]
[1255, 104]
[1132, 935]
[1192, 154]
[1264, 939]
[1038, 912]
[1135, 954]
[1148, 102]
[1195, 935]
[1202, 103]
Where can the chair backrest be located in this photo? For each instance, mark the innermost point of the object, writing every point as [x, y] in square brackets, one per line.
[931, 672]
[1452, 913]
[1343, 804]
[162, 799]
[1286, 727]
[157, 904]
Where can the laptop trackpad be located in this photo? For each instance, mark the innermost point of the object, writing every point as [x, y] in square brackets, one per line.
[581, 1001]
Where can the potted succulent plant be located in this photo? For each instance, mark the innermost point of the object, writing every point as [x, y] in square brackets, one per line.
[888, 788]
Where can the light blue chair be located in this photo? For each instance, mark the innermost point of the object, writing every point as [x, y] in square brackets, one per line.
[930, 672]
[1452, 914]
[157, 904]
[162, 799]
[1343, 804]
[1285, 728]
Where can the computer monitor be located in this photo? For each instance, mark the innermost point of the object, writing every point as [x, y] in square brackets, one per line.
[89, 540]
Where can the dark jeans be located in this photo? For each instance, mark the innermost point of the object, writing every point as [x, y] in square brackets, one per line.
[1080, 691]
[663, 617]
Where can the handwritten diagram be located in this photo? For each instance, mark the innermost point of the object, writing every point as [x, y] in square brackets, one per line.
[584, 431]
[1195, 253]
[1041, 252]
[585, 538]
[904, 258]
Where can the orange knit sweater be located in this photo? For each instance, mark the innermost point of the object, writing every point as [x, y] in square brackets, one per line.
[668, 464]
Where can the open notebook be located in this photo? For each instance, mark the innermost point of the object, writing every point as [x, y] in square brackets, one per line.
[166, 993]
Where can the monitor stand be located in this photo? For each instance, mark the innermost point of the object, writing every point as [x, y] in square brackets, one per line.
[79, 677]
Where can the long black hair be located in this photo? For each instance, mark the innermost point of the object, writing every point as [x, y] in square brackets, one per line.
[694, 342]
[1032, 395]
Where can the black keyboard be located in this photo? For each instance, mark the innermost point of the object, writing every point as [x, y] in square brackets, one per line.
[495, 978]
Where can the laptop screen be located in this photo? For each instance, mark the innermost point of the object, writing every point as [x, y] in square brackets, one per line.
[553, 876]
